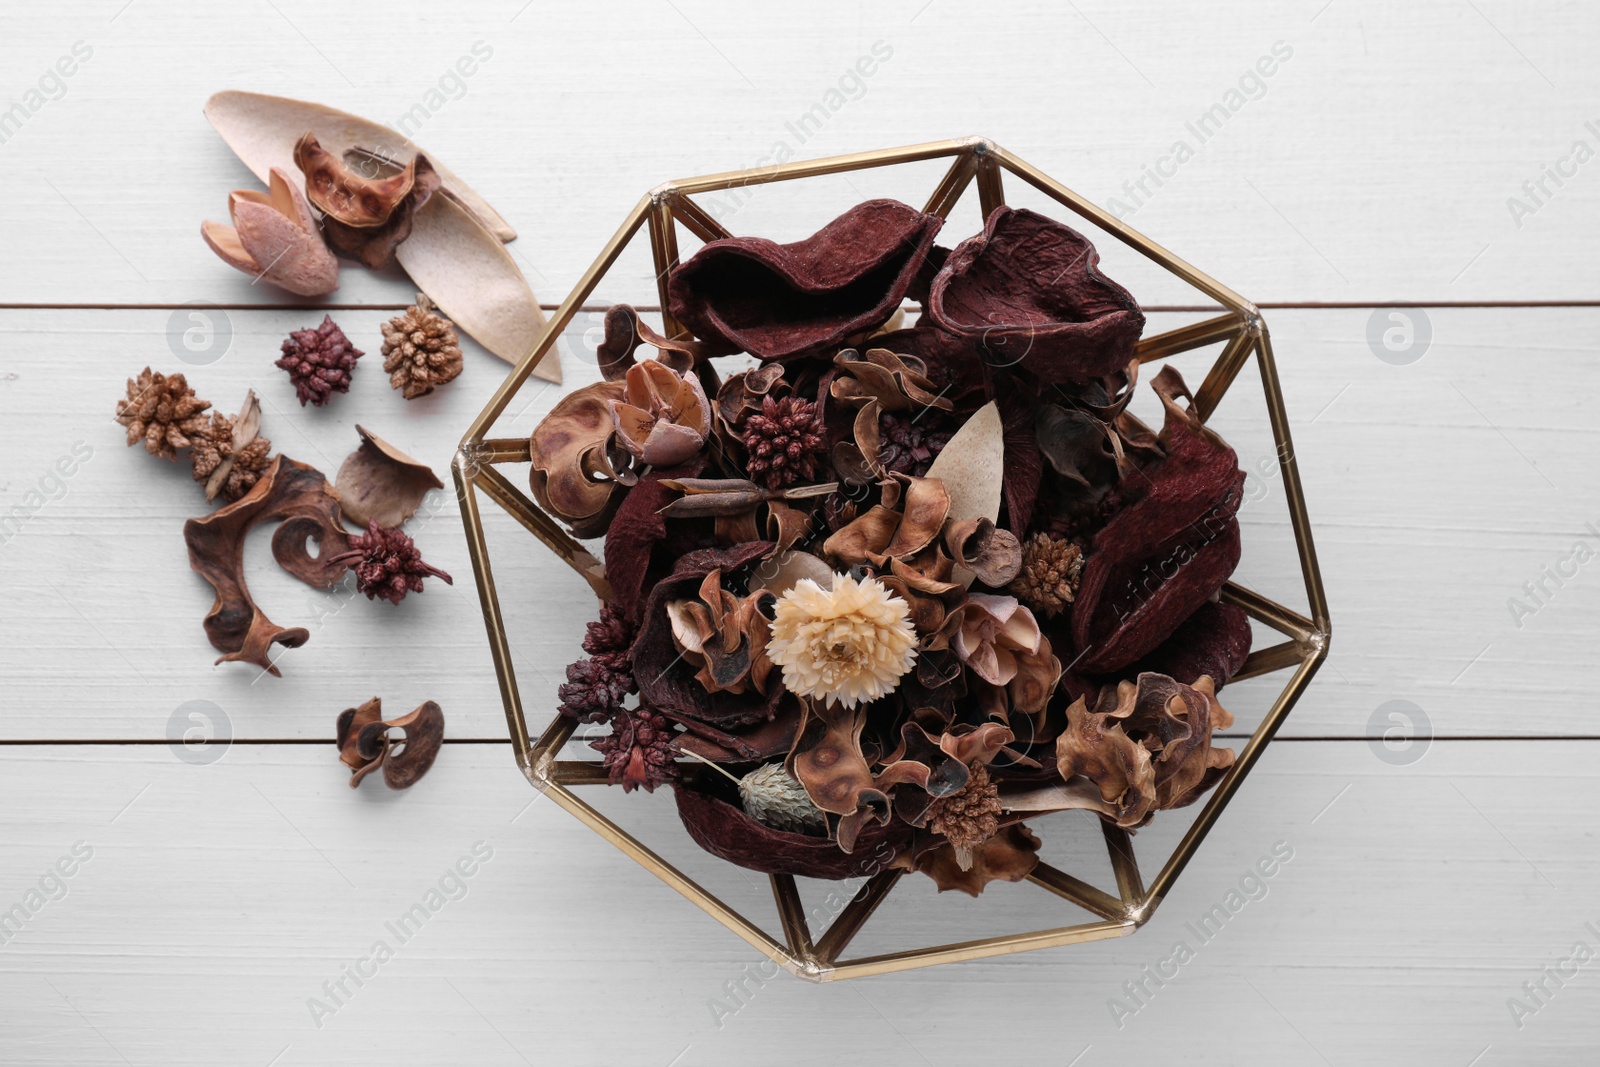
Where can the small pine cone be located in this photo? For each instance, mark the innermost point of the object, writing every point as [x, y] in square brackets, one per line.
[640, 749]
[319, 362]
[969, 817]
[784, 441]
[908, 444]
[163, 412]
[594, 689]
[1051, 569]
[420, 350]
[215, 445]
[387, 564]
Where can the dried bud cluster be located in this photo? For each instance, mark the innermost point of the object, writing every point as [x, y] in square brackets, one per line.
[387, 564]
[784, 441]
[319, 362]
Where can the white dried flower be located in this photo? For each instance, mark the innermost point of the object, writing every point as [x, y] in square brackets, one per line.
[850, 644]
[772, 797]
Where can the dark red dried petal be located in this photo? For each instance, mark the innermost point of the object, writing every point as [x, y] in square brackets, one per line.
[1162, 556]
[1029, 291]
[778, 301]
[724, 829]
[1214, 640]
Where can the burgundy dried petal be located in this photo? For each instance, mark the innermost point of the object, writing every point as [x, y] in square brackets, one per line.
[1214, 641]
[778, 301]
[1163, 555]
[632, 536]
[1029, 290]
[724, 829]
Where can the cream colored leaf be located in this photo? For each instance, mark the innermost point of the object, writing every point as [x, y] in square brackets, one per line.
[970, 467]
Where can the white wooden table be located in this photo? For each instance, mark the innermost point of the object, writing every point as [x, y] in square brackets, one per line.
[211, 898]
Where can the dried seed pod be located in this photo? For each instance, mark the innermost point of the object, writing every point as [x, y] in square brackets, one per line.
[774, 797]
[274, 237]
[387, 564]
[365, 743]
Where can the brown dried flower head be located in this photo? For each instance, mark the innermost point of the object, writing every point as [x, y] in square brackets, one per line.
[163, 412]
[420, 350]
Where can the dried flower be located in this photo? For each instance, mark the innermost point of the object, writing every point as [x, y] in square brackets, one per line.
[968, 817]
[274, 236]
[595, 688]
[663, 417]
[773, 796]
[784, 441]
[387, 564]
[639, 750]
[851, 643]
[1051, 567]
[163, 412]
[319, 362]
[217, 446]
[1000, 640]
[420, 349]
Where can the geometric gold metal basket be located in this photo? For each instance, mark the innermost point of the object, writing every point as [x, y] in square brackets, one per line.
[822, 956]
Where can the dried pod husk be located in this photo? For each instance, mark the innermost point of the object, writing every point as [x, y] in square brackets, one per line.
[304, 505]
[366, 744]
[992, 554]
[662, 417]
[1030, 291]
[625, 331]
[364, 218]
[274, 237]
[379, 483]
[571, 475]
[717, 823]
[827, 760]
[780, 301]
[898, 382]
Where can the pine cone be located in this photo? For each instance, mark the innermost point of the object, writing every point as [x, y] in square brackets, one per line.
[420, 350]
[594, 689]
[908, 444]
[215, 444]
[1051, 568]
[162, 411]
[639, 750]
[387, 564]
[784, 440]
[969, 817]
[319, 362]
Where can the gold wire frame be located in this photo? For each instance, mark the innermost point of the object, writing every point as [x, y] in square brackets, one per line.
[1305, 645]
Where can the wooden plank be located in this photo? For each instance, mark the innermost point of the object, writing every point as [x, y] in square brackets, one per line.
[1426, 486]
[1375, 163]
[218, 899]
